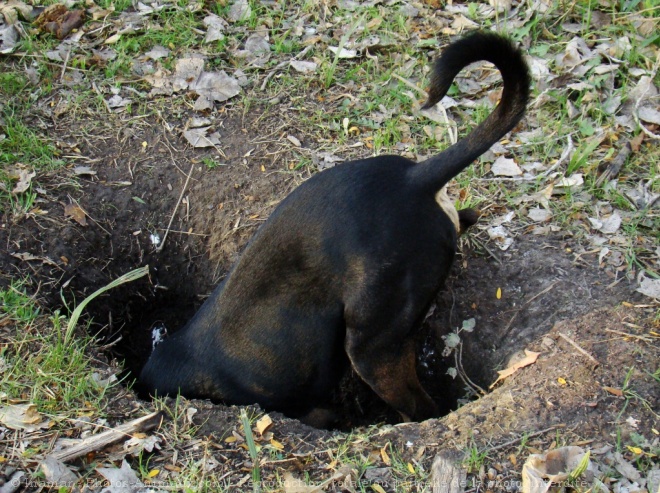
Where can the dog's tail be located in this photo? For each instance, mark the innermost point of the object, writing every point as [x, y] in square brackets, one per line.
[435, 172]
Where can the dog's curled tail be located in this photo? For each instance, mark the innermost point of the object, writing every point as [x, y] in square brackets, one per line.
[435, 172]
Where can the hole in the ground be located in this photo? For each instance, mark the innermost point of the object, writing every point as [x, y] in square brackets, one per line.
[538, 280]
[174, 294]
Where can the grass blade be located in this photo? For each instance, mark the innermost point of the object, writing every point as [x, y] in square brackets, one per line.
[128, 277]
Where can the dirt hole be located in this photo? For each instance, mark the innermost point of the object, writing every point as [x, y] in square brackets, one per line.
[125, 321]
[502, 325]
[541, 279]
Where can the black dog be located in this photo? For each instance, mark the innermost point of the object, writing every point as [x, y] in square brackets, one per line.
[342, 273]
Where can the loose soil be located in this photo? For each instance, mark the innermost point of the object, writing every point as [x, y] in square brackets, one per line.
[547, 285]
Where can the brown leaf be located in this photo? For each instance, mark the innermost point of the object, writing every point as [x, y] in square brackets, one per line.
[263, 424]
[294, 485]
[636, 143]
[58, 20]
[24, 180]
[530, 357]
[27, 256]
[20, 417]
[76, 213]
[612, 390]
[386, 458]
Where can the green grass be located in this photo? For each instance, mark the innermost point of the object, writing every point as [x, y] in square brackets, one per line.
[475, 457]
[39, 366]
[22, 148]
[23, 144]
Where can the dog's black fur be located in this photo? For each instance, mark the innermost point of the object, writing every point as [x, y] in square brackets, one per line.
[341, 273]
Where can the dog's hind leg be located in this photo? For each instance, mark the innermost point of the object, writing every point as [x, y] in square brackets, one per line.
[389, 369]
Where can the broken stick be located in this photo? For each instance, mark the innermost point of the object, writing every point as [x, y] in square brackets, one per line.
[576, 346]
[102, 440]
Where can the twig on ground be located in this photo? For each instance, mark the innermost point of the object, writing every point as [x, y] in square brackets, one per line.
[516, 440]
[576, 346]
[414, 87]
[281, 65]
[74, 201]
[626, 334]
[102, 440]
[483, 245]
[611, 170]
[566, 154]
[185, 232]
[542, 292]
[458, 361]
[159, 248]
[97, 91]
[66, 61]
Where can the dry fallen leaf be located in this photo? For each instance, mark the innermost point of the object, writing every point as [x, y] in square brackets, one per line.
[14, 10]
[263, 424]
[303, 67]
[608, 225]
[636, 143]
[556, 466]
[123, 480]
[500, 236]
[505, 167]
[76, 213]
[197, 137]
[276, 444]
[20, 417]
[571, 183]
[386, 458]
[539, 215]
[530, 358]
[9, 37]
[27, 256]
[343, 52]
[24, 180]
[649, 287]
[56, 472]
[239, 11]
[214, 86]
[216, 28]
[139, 442]
[614, 391]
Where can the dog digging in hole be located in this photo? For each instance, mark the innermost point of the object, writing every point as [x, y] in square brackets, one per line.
[341, 274]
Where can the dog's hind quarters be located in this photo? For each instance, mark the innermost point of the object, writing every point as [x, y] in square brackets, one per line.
[340, 275]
